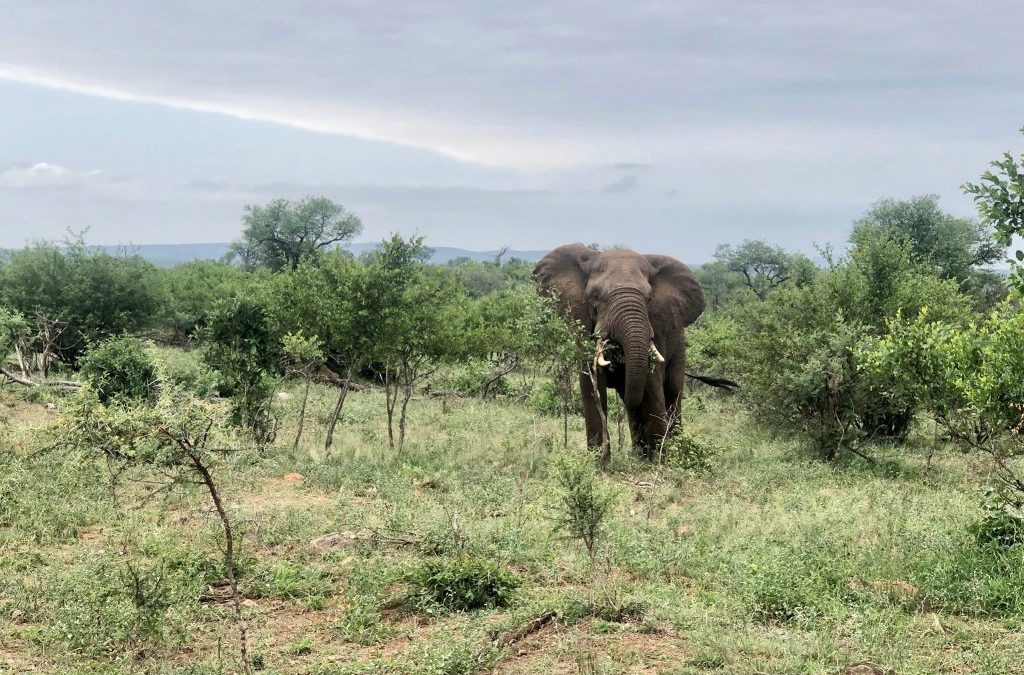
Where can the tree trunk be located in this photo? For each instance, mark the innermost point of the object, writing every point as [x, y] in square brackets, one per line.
[390, 400]
[406, 395]
[337, 406]
[229, 558]
[22, 363]
[605, 455]
[302, 411]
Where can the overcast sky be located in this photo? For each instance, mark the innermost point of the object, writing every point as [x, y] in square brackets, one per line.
[668, 126]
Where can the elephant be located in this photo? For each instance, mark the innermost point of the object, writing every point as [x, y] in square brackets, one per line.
[641, 305]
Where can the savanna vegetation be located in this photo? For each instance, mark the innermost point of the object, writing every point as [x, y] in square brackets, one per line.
[297, 461]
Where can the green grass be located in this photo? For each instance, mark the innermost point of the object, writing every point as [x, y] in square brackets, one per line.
[753, 559]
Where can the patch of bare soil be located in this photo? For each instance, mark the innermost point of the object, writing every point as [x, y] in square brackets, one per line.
[283, 492]
[560, 649]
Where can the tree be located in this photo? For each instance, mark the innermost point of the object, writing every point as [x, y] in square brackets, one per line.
[281, 233]
[305, 355]
[722, 286]
[329, 300]
[953, 247]
[74, 295]
[176, 435]
[999, 196]
[417, 323]
[240, 342]
[764, 267]
[190, 291]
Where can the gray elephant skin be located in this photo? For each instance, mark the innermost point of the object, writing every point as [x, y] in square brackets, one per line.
[641, 305]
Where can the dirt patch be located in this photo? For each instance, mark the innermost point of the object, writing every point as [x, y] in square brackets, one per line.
[560, 649]
[283, 492]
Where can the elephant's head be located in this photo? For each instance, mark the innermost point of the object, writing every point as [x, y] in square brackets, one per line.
[624, 297]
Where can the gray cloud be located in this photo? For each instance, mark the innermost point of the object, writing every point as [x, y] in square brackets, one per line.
[627, 183]
[493, 123]
[500, 84]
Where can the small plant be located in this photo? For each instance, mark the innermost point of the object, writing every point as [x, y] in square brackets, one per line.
[583, 503]
[683, 450]
[120, 369]
[301, 647]
[462, 585]
[1003, 521]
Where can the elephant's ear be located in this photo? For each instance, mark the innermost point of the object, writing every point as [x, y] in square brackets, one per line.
[564, 272]
[675, 291]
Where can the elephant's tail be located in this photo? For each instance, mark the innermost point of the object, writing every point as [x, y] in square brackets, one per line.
[719, 382]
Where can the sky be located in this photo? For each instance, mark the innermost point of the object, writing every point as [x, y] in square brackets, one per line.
[669, 126]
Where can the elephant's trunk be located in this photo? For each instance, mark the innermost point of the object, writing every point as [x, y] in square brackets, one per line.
[631, 328]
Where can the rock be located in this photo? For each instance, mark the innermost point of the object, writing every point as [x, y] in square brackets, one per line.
[335, 541]
[863, 668]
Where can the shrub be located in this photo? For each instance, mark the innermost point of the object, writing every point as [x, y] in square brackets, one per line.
[462, 585]
[1003, 521]
[473, 377]
[103, 607]
[187, 371]
[88, 293]
[239, 341]
[799, 354]
[584, 504]
[120, 369]
[685, 451]
[546, 398]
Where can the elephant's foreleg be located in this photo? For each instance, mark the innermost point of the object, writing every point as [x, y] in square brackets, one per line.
[654, 416]
[595, 409]
[675, 378]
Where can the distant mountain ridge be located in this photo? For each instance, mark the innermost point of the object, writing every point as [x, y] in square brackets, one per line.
[169, 255]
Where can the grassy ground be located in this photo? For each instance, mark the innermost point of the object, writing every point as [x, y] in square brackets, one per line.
[767, 562]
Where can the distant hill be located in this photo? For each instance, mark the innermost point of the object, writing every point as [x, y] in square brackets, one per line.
[169, 255]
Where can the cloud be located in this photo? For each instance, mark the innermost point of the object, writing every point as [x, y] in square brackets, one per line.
[627, 183]
[44, 174]
[630, 166]
[534, 84]
[488, 123]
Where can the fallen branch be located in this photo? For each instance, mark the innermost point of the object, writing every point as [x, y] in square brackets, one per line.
[338, 540]
[509, 638]
[32, 383]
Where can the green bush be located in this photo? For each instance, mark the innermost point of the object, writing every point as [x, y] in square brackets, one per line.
[584, 503]
[103, 607]
[187, 371]
[546, 399]
[462, 585]
[240, 342]
[1003, 521]
[470, 379]
[90, 294]
[687, 452]
[120, 369]
[798, 354]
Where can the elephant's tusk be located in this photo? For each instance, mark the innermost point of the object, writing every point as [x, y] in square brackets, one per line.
[656, 354]
[599, 358]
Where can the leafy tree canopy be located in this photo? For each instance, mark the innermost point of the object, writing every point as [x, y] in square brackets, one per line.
[764, 267]
[999, 196]
[954, 247]
[281, 233]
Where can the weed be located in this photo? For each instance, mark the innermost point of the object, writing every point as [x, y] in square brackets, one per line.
[461, 585]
